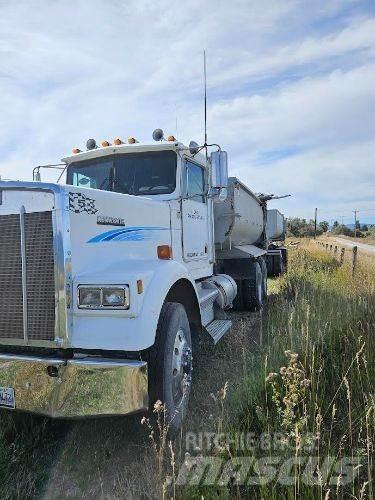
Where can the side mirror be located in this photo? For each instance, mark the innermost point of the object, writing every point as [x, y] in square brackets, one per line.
[219, 165]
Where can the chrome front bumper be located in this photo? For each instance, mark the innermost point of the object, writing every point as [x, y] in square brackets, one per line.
[79, 387]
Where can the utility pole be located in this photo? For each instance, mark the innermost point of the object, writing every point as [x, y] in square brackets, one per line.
[315, 222]
[355, 222]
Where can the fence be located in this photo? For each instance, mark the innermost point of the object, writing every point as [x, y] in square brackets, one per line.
[340, 255]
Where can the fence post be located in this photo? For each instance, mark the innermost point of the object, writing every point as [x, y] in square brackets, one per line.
[327, 246]
[354, 259]
[342, 255]
[335, 252]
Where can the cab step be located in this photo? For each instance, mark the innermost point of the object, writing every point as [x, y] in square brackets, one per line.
[218, 328]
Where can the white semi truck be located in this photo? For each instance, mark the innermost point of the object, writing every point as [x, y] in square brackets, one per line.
[106, 280]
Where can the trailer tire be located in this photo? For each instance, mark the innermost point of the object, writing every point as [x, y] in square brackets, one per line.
[263, 266]
[284, 254]
[278, 265]
[252, 289]
[170, 365]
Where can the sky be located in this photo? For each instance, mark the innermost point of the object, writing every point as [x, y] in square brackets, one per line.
[291, 89]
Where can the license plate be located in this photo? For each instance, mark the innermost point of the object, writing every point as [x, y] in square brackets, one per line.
[7, 399]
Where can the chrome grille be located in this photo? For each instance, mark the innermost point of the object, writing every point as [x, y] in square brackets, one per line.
[40, 277]
[11, 312]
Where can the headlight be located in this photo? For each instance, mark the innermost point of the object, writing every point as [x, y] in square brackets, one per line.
[113, 297]
[103, 297]
[90, 297]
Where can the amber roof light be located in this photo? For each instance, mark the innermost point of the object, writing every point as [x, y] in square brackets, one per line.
[117, 141]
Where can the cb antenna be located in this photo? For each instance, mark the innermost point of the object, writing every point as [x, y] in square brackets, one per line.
[205, 97]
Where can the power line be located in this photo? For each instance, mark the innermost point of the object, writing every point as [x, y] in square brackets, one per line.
[315, 222]
[355, 222]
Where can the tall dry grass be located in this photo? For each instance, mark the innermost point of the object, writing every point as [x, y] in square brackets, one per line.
[319, 361]
[311, 381]
[304, 368]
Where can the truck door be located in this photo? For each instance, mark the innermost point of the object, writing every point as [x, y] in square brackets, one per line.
[195, 234]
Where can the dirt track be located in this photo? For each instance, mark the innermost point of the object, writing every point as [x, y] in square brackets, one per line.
[369, 249]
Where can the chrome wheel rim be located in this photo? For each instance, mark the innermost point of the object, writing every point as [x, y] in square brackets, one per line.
[181, 367]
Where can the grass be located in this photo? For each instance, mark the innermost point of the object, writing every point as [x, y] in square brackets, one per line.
[326, 318]
[303, 369]
[27, 446]
[309, 381]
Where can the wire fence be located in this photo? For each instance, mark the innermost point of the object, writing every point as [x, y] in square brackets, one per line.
[339, 253]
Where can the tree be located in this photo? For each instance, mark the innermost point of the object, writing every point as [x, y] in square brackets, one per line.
[324, 225]
[335, 224]
[342, 229]
[364, 227]
[300, 228]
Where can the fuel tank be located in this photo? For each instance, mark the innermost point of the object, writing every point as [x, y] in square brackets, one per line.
[239, 220]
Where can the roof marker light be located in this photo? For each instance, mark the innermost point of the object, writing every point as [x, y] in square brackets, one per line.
[158, 134]
[105, 144]
[171, 138]
[132, 140]
[76, 150]
[117, 141]
[91, 144]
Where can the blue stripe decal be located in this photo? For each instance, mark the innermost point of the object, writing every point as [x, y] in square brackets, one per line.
[133, 233]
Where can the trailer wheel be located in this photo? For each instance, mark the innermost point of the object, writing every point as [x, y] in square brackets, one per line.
[170, 365]
[264, 276]
[252, 289]
[284, 253]
[278, 265]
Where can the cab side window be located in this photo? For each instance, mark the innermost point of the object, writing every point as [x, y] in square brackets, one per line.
[194, 182]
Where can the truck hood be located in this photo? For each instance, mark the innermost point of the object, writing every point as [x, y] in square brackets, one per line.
[98, 228]
[108, 228]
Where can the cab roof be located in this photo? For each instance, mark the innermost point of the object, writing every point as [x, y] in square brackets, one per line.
[130, 148]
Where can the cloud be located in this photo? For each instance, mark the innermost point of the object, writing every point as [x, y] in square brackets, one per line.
[291, 86]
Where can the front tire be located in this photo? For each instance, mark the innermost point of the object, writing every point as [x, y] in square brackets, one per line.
[170, 365]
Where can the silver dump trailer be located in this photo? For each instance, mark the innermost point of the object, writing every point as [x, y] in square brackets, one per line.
[277, 260]
[241, 243]
[240, 222]
[276, 225]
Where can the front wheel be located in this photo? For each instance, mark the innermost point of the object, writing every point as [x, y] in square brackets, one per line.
[170, 365]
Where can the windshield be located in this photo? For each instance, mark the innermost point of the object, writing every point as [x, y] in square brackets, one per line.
[130, 173]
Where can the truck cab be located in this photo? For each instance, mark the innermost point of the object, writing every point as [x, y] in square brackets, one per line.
[106, 280]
